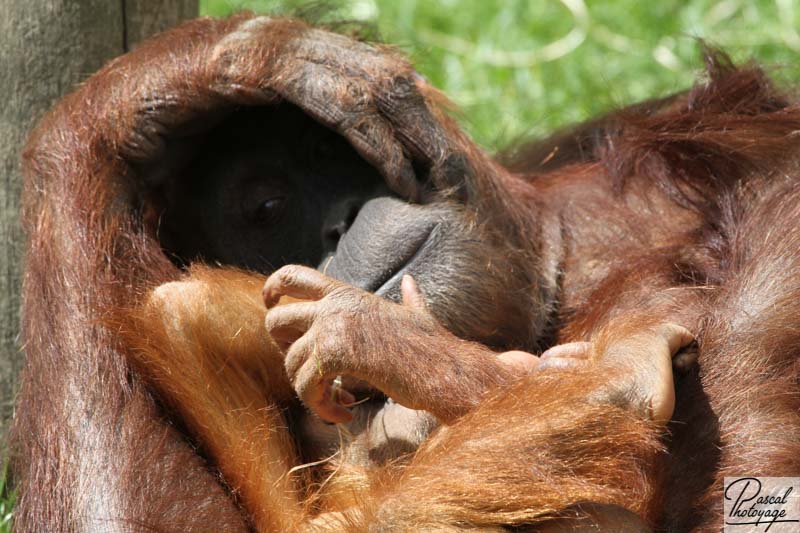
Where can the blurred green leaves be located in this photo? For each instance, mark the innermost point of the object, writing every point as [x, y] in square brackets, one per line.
[7, 499]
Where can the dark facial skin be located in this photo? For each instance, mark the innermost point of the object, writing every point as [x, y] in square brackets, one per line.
[259, 196]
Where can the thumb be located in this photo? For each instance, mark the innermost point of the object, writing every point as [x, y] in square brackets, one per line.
[412, 296]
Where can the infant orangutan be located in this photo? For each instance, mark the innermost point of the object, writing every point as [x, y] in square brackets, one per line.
[209, 328]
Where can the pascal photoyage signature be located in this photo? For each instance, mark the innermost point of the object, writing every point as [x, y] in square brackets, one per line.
[751, 507]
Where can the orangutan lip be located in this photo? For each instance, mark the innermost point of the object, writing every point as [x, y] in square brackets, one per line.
[413, 257]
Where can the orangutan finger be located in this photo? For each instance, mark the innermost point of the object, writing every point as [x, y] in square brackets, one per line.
[676, 336]
[344, 104]
[561, 363]
[299, 282]
[316, 393]
[287, 323]
[420, 133]
[575, 350]
[520, 362]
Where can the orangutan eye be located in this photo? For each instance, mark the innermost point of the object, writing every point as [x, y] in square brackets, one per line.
[269, 210]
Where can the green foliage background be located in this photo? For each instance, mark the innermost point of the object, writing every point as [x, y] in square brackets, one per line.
[524, 67]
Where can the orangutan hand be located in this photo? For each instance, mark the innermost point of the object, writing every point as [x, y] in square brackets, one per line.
[641, 362]
[400, 349]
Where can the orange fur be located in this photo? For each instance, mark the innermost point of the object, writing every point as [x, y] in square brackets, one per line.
[202, 344]
[652, 207]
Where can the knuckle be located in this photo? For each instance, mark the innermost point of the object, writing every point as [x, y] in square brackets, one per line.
[327, 341]
[336, 323]
[287, 275]
[340, 295]
[347, 298]
[356, 96]
[295, 358]
[404, 87]
[272, 321]
[327, 353]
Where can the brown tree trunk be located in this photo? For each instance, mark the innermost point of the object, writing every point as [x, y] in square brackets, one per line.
[46, 48]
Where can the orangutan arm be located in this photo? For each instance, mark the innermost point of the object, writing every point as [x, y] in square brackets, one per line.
[571, 444]
[201, 344]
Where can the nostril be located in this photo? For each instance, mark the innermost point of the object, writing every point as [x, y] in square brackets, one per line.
[335, 232]
[339, 220]
[351, 215]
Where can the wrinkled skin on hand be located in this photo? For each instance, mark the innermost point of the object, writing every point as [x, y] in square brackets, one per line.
[646, 357]
[366, 94]
[399, 349]
[341, 330]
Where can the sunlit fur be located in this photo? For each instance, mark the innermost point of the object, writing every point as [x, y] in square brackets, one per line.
[207, 336]
[682, 209]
